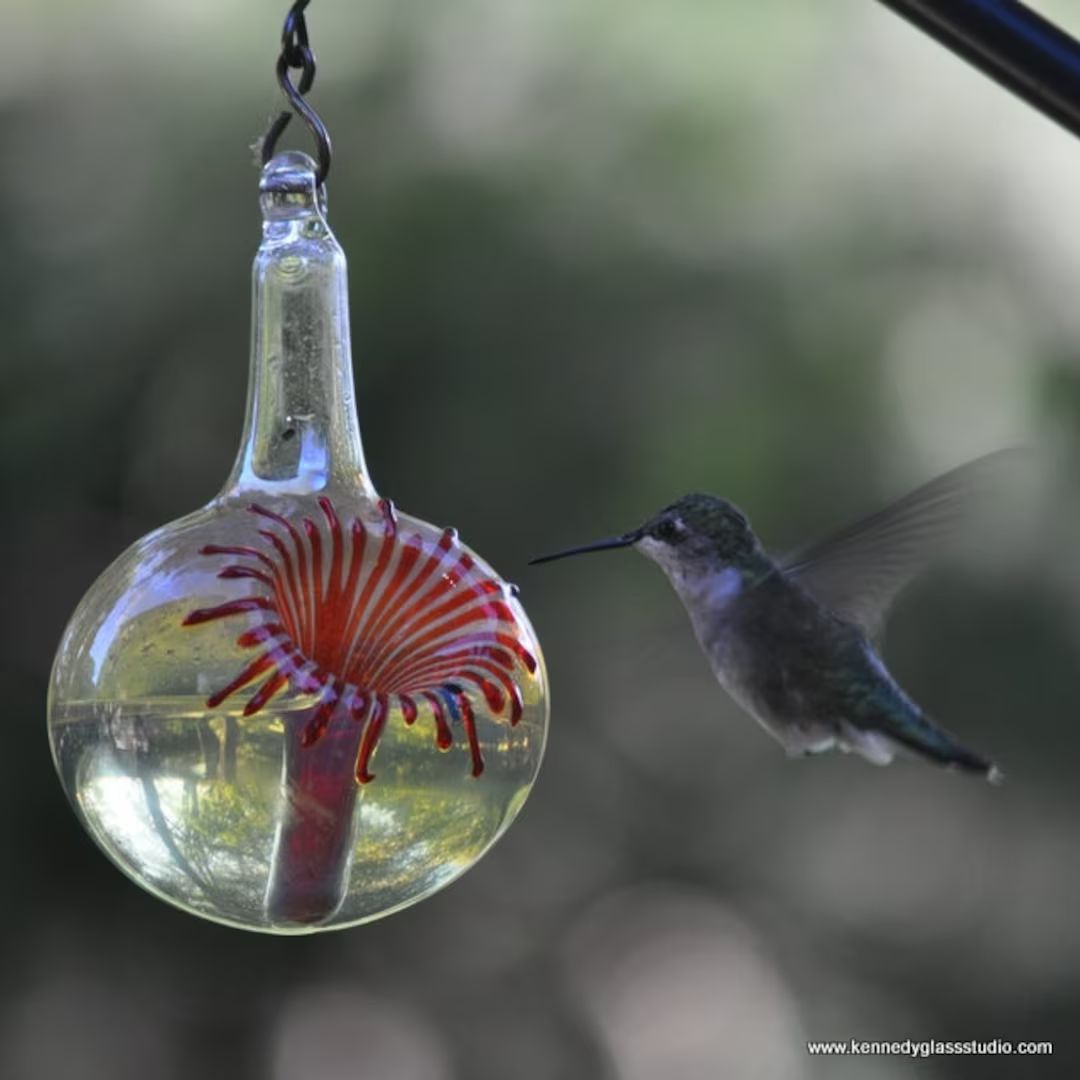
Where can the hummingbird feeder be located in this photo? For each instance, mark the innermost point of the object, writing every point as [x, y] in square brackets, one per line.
[298, 709]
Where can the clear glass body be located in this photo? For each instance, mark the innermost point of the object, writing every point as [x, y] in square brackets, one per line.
[298, 709]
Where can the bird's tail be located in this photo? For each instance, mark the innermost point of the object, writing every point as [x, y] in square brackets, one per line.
[936, 744]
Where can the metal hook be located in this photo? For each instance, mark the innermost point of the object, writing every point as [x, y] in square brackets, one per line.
[296, 53]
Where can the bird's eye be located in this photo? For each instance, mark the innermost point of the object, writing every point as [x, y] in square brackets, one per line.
[667, 530]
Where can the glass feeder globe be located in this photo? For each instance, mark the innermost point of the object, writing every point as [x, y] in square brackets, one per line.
[298, 709]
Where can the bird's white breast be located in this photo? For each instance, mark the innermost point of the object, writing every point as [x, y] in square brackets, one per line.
[713, 592]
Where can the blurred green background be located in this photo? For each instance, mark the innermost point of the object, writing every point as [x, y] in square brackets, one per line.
[602, 252]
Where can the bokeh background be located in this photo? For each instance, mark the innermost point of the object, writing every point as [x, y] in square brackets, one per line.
[602, 252]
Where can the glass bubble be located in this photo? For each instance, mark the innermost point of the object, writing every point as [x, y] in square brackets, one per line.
[298, 709]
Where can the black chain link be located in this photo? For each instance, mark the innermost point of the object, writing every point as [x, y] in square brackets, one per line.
[296, 55]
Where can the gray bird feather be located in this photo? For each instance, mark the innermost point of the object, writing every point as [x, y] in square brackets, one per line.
[859, 570]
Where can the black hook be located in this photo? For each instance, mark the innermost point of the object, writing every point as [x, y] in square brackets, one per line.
[296, 53]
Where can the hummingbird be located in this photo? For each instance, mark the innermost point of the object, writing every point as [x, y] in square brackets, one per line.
[795, 640]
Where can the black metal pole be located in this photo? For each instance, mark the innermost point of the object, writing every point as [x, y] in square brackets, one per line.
[1022, 51]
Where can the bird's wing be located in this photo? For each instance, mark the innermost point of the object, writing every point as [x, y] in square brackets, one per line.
[858, 570]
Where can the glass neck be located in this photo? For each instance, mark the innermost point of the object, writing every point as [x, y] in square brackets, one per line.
[301, 432]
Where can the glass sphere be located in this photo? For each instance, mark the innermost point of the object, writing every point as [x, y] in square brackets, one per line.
[297, 715]
[296, 709]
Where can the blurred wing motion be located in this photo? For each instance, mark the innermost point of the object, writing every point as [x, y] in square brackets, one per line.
[858, 571]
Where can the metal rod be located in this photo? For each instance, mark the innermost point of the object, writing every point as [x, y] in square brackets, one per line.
[1021, 50]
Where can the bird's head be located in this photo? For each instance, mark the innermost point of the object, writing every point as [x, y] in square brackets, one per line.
[699, 534]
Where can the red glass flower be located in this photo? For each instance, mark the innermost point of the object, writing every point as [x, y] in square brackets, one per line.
[370, 620]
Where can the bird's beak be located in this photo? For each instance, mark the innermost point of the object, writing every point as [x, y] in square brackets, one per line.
[600, 545]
